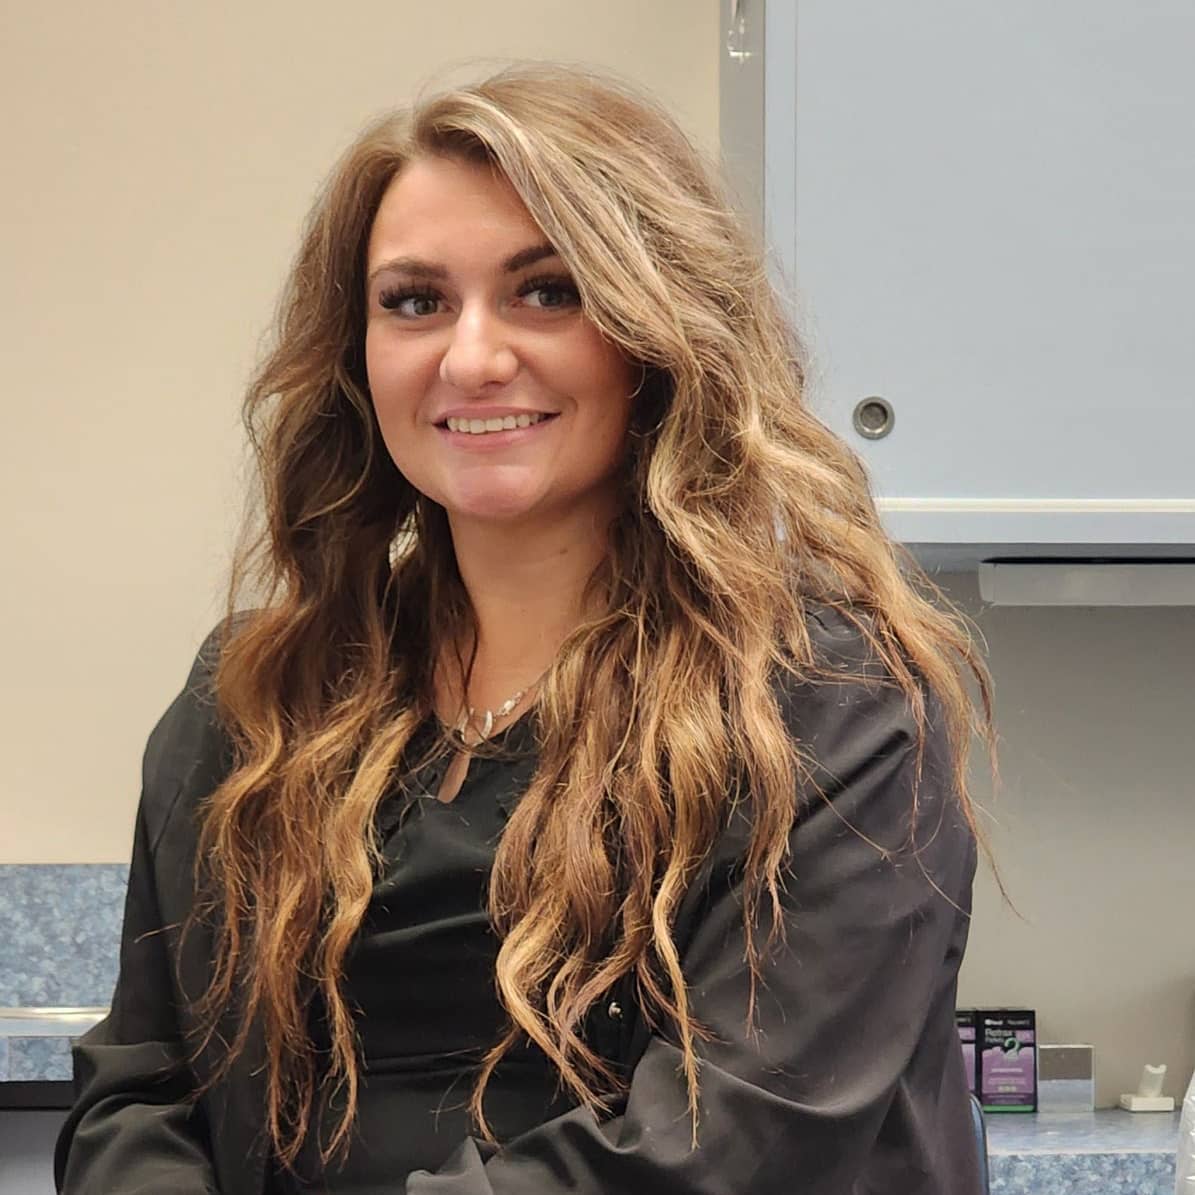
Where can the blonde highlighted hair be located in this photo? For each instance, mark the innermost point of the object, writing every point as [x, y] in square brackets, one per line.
[741, 508]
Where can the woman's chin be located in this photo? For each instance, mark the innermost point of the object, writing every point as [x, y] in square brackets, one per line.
[495, 506]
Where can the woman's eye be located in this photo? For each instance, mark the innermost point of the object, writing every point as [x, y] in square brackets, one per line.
[550, 293]
[410, 303]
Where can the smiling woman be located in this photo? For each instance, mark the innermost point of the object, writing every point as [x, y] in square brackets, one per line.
[580, 802]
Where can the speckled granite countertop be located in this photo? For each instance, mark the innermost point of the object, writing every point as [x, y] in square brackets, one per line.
[1109, 1152]
[60, 932]
[35, 1043]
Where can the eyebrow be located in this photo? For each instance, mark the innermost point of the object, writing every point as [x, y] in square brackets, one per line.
[421, 268]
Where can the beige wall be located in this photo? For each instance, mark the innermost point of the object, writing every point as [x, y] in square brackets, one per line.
[157, 175]
[164, 156]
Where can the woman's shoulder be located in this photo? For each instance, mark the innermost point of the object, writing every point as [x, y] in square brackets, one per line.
[844, 648]
[848, 701]
[188, 752]
[841, 637]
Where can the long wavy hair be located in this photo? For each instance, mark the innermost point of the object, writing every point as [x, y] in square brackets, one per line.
[741, 508]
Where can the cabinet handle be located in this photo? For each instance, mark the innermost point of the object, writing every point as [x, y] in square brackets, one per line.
[874, 418]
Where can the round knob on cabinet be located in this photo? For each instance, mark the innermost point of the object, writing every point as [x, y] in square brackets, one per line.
[874, 418]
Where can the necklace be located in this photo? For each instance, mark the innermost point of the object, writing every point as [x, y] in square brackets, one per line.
[489, 717]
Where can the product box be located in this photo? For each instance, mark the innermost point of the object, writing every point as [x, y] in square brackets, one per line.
[1065, 1077]
[1006, 1039]
[965, 1019]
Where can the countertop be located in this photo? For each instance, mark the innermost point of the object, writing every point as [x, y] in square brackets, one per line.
[35, 1043]
[1106, 1152]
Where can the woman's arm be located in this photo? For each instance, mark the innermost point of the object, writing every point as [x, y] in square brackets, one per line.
[854, 1082]
[133, 1129]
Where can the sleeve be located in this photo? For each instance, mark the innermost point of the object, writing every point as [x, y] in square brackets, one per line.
[855, 1075]
[133, 1130]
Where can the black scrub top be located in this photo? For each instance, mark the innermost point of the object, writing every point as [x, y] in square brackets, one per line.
[421, 978]
[854, 1083]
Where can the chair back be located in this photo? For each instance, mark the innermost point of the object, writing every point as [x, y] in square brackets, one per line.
[981, 1142]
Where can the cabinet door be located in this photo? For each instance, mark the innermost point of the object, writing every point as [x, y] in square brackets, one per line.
[987, 211]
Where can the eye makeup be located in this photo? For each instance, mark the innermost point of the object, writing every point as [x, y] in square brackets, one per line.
[391, 298]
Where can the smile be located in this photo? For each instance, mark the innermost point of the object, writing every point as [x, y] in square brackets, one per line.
[483, 427]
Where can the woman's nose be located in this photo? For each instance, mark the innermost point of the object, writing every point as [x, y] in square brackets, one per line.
[479, 353]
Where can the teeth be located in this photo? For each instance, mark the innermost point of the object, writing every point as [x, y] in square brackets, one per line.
[480, 427]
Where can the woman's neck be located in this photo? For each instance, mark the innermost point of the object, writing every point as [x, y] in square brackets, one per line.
[527, 593]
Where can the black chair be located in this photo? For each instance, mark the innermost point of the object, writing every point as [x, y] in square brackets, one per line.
[981, 1141]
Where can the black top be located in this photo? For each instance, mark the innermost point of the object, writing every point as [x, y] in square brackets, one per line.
[854, 1084]
[423, 1035]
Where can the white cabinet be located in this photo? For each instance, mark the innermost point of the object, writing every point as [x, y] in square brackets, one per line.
[988, 213]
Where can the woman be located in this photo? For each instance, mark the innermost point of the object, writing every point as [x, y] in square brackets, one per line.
[581, 806]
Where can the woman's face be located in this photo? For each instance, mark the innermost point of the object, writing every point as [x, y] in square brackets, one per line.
[474, 323]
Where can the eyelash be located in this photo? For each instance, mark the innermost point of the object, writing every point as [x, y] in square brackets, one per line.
[390, 299]
[561, 282]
